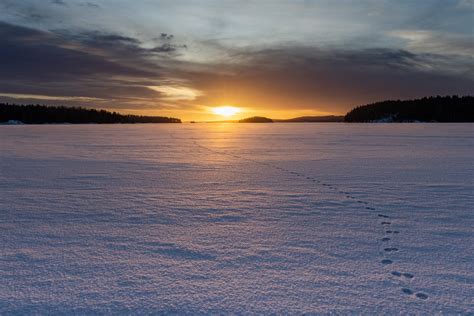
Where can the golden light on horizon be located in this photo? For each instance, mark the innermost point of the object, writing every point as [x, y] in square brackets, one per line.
[226, 111]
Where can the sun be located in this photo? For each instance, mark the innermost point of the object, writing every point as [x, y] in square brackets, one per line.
[226, 111]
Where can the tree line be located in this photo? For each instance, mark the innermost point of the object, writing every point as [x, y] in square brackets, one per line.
[41, 114]
[428, 109]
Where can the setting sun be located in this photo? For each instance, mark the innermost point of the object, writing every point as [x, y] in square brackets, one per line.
[226, 110]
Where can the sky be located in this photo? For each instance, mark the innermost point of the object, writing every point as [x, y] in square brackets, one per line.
[278, 59]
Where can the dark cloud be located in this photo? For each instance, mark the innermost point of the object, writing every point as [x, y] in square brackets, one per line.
[18, 33]
[167, 48]
[65, 53]
[58, 2]
[36, 17]
[36, 62]
[90, 5]
[106, 41]
[110, 38]
[40, 54]
[166, 36]
[123, 47]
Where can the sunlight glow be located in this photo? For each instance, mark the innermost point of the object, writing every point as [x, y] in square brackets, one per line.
[226, 111]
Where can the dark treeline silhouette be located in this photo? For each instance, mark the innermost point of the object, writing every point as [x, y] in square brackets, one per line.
[432, 109]
[256, 119]
[41, 114]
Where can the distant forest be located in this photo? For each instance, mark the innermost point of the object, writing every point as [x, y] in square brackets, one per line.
[432, 109]
[41, 114]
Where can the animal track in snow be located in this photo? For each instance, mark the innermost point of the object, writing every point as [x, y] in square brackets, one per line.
[407, 291]
[402, 274]
[422, 296]
[419, 295]
[185, 253]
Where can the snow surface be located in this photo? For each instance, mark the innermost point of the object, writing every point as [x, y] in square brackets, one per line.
[237, 218]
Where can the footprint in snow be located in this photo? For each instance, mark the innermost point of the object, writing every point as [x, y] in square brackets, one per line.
[386, 261]
[419, 295]
[370, 208]
[392, 232]
[385, 239]
[422, 296]
[407, 291]
[391, 249]
[383, 216]
[385, 223]
[405, 274]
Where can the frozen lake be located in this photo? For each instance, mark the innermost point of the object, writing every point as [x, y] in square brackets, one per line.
[234, 218]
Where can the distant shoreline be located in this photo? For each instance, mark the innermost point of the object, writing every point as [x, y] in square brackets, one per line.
[13, 114]
[4, 124]
[448, 109]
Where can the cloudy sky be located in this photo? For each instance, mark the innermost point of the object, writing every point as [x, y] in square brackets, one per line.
[273, 58]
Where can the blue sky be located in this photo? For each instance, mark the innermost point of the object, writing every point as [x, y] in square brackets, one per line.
[279, 57]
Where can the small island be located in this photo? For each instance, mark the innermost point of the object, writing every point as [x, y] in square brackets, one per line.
[314, 119]
[256, 119]
[41, 114]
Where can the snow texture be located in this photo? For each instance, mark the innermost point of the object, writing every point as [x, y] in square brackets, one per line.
[237, 218]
